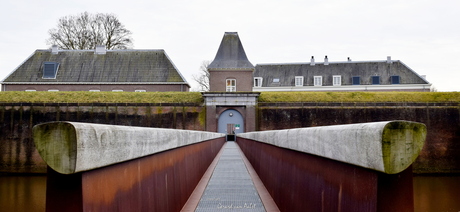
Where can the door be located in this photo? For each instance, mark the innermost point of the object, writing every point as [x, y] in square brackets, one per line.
[230, 122]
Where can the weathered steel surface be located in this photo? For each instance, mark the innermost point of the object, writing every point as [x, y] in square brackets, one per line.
[389, 146]
[302, 182]
[70, 147]
[159, 182]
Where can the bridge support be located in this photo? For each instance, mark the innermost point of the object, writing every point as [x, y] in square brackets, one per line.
[96, 167]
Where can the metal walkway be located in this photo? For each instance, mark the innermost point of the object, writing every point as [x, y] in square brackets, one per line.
[231, 186]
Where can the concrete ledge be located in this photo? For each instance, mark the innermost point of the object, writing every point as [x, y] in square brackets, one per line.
[388, 147]
[71, 147]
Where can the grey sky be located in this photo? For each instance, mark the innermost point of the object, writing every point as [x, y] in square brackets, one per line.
[424, 34]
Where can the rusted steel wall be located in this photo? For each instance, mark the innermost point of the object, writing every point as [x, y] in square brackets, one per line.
[302, 182]
[17, 149]
[159, 182]
[441, 150]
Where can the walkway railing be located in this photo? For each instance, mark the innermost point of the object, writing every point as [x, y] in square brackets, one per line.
[359, 167]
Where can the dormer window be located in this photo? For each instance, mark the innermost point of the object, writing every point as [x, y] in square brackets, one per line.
[298, 81]
[355, 80]
[317, 80]
[375, 80]
[257, 81]
[336, 80]
[50, 70]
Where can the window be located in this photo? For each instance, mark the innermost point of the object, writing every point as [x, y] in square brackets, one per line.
[356, 80]
[50, 70]
[257, 81]
[276, 80]
[53, 90]
[375, 80]
[117, 90]
[318, 81]
[299, 81]
[231, 85]
[94, 90]
[140, 91]
[336, 80]
[395, 80]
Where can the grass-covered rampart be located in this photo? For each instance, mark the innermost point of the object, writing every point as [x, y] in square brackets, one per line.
[359, 97]
[195, 97]
[100, 97]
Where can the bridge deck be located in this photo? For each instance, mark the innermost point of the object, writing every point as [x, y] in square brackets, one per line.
[231, 185]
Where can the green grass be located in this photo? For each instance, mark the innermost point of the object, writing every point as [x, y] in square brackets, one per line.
[195, 97]
[359, 97]
[100, 97]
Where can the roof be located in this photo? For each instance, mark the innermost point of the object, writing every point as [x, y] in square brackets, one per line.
[84, 66]
[286, 72]
[231, 54]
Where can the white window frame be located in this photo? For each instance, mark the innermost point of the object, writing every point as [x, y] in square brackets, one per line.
[230, 87]
[298, 81]
[140, 91]
[117, 90]
[94, 90]
[336, 80]
[258, 81]
[318, 81]
[53, 90]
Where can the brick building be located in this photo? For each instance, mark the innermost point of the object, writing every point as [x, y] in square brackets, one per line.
[96, 70]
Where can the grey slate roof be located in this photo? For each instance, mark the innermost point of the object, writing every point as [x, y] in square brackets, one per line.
[84, 66]
[231, 54]
[286, 73]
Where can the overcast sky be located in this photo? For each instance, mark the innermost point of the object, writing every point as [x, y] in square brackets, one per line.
[423, 34]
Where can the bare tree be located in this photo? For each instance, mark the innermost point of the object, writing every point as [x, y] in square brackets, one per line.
[203, 78]
[85, 31]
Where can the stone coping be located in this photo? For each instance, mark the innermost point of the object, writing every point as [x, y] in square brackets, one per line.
[389, 147]
[71, 147]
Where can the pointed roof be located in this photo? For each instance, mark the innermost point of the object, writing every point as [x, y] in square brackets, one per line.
[231, 54]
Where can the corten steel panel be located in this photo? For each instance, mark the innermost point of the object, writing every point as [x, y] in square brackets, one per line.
[303, 182]
[159, 182]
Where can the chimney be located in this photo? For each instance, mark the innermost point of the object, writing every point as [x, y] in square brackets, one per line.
[389, 60]
[54, 49]
[326, 61]
[312, 61]
[100, 49]
[349, 59]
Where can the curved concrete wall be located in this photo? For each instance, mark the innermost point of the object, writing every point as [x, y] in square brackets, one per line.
[388, 147]
[70, 147]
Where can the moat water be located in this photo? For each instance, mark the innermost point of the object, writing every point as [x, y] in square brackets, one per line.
[28, 193]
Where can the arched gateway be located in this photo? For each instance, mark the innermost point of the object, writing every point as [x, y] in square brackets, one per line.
[230, 122]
